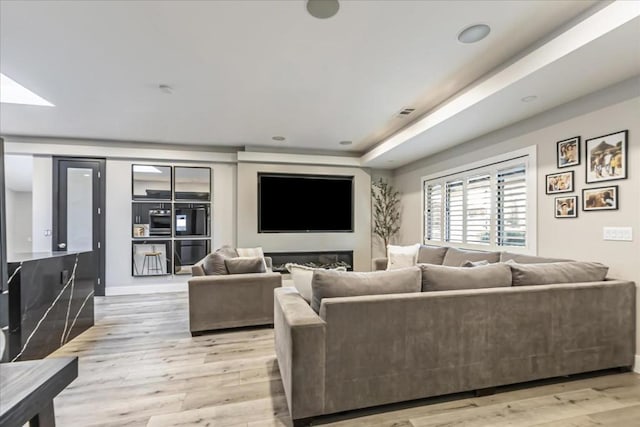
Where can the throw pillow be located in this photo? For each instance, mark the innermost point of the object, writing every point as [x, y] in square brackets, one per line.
[302, 276]
[402, 256]
[456, 257]
[468, 263]
[432, 254]
[445, 278]
[528, 259]
[245, 265]
[557, 272]
[331, 284]
[252, 252]
[214, 262]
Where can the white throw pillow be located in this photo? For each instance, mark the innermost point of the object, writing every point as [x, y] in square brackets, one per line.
[302, 275]
[252, 253]
[402, 256]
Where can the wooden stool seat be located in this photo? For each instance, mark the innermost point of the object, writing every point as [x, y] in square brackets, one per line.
[154, 265]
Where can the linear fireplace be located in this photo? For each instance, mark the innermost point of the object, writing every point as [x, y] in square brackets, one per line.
[323, 259]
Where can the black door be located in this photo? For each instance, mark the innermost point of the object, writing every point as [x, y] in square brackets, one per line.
[78, 209]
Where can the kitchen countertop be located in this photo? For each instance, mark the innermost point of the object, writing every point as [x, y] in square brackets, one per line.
[34, 256]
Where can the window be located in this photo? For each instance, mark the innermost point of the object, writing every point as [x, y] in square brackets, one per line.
[488, 205]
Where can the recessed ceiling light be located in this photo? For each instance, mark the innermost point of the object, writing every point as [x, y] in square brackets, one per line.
[323, 9]
[474, 33]
[146, 169]
[346, 142]
[278, 138]
[529, 98]
[12, 92]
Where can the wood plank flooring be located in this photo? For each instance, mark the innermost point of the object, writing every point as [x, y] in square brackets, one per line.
[139, 366]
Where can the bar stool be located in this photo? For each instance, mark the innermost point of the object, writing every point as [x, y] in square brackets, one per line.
[152, 261]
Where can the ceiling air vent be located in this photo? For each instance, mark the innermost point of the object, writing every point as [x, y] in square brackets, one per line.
[406, 112]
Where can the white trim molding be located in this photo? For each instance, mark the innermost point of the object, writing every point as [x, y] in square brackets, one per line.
[288, 158]
[636, 365]
[116, 152]
[145, 289]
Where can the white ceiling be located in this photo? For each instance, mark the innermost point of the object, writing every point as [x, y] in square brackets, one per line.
[244, 71]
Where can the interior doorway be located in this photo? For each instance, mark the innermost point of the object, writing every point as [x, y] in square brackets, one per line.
[79, 210]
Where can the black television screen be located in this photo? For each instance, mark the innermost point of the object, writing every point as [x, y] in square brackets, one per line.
[304, 203]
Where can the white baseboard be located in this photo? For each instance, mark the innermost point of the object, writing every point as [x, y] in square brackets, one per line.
[636, 366]
[145, 289]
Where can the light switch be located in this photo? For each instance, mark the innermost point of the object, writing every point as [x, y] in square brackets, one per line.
[624, 234]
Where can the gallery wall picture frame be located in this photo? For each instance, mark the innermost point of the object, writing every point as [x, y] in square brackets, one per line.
[566, 207]
[568, 152]
[560, 182]
[600, 198]
[607, 157]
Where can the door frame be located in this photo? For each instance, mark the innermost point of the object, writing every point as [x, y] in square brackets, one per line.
[99, 286]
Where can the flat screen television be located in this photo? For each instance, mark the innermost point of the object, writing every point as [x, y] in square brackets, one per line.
[289, 203]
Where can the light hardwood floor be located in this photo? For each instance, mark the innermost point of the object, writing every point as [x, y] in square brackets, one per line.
[139, 366]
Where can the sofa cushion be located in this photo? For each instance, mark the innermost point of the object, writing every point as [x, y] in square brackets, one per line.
[446, 278]
[456, 257]
[331, 284]
[214, 262]
[402, 256]
[528, 259]
[557, 272]
[302, 276]
[432, 254]
[245, 265]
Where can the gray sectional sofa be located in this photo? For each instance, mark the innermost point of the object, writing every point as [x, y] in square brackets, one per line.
[368, 350]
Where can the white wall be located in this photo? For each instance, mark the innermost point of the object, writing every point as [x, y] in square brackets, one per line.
[42, 199]
[359, 241]
[579, 238]
[18, 217]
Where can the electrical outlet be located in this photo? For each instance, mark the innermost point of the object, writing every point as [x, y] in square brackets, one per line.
[624, 234]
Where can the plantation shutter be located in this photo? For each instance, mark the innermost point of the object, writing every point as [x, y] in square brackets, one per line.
[478, 210]
[433, 214]
[454, 218]
[512, 206]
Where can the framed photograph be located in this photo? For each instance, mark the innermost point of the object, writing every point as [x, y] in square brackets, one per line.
[569, 152]
[566, 207]
[600, 199]
[140, 230]
[561, 182]
[607, 157]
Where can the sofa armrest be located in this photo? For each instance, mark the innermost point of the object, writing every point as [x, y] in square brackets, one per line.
[229, 300]
[300, 336]
[379, 264]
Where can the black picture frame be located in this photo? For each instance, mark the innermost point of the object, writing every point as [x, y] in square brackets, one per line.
[558, 205]
[598, 199]
[549, 184]
[572, 144]
[607, 155]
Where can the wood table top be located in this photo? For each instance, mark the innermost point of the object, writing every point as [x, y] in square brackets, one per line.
[28, 386]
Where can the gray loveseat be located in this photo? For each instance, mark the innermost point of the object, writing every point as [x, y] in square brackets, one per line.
[363, 351]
